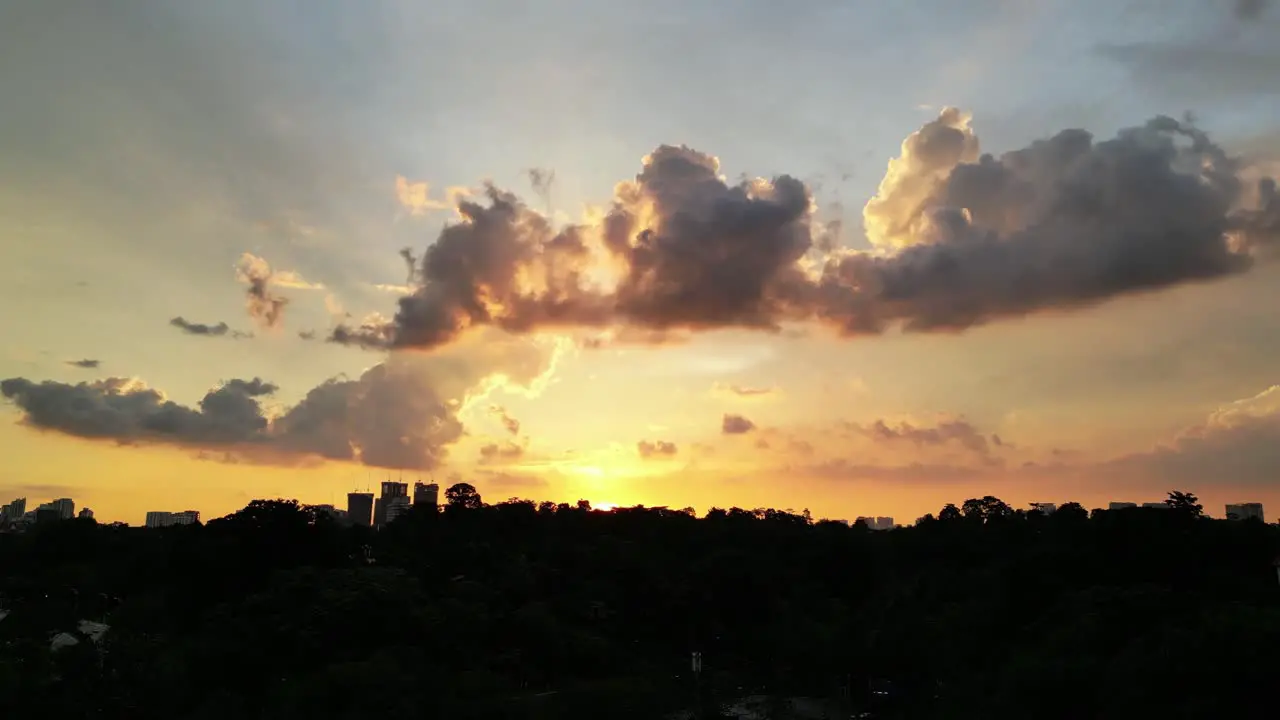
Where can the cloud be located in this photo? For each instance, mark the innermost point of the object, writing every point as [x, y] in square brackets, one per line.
[494, 452]
[401, 413]
[86, 363]
[658, 448]
[511, 424]
[742, 391]
[504, 479]
[416, 196]
[736, 425]
[1249, 9]
[959, 238]
[960, 432]
[264, 305]
[219, 330]
[1237, 444]
[293, 280]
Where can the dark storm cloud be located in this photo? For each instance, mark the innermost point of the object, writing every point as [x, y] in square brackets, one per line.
[87, 363]
[962, 239]
[657, 448]
[219, 330]
[735, 425]
[401, 413]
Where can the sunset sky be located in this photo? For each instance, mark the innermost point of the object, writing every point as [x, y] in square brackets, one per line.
[738, 252]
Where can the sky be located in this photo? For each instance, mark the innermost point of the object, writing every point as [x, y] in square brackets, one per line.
[856, 258]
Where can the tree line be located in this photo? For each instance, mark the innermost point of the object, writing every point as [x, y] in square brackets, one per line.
[520, 609]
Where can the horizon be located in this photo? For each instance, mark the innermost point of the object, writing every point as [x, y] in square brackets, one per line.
[613, 254]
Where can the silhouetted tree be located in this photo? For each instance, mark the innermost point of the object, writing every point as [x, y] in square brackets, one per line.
[1185, 502]
[463, 496]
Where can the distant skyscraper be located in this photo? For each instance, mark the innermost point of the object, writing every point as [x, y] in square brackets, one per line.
[1121, 505]
[1155, 505]
[159, 518]
[360, 508]
[85, 514]
[426, 494]
[48, 512]
[14, 511]
[1046, 508]
[186, 517]
[396, 505]
[390, 491]
[1245, 511]
[876, 523]
[66, 508]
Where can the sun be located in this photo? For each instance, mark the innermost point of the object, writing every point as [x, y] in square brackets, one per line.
[604, 506]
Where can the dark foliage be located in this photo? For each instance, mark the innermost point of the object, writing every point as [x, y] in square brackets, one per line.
[520, 610]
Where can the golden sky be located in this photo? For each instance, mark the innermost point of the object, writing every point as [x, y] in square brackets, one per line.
[203, 216]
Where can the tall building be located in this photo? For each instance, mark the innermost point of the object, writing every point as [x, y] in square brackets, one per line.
[85, 514]
[164, 518]
[186, 517]
[1046, 508]
[426, 494]
[159, 518]
[66, 508]
[396, 505]
[876, 523]
[360, 508]
[14, 511]
[1156, 506]
[390, 491]
[48, 512]
[1245, 511]
[1121, 505]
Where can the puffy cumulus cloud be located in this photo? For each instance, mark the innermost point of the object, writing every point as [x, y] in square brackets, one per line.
[928, 156]
[960, 239]
[220, 329]
[657, 448]
[86, 363]
[401, 413]
[263, 304]
[127, 411]
[735, 425]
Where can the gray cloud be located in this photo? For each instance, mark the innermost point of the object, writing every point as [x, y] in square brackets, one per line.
[401, 413]
[658, 448]
[219, 330]
[1249, 9]
[959, 431]
[961, 239]
[494, 452]
[86, 363]
[736, 425]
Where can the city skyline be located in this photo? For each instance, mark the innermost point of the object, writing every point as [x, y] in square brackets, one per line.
[1029, 257]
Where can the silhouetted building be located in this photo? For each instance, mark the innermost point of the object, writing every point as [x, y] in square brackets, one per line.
[1245, 511]
[14, 511]
[1155, 506]
[186, 517]
[48, 512]
[1121, 505]
[1046, 508]
[390, 491]
[85, 514]
[159, 518]
[338, 515]
[66, 508]
[426, 494]
[396, 506]
[876, 523]
[360, 508]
